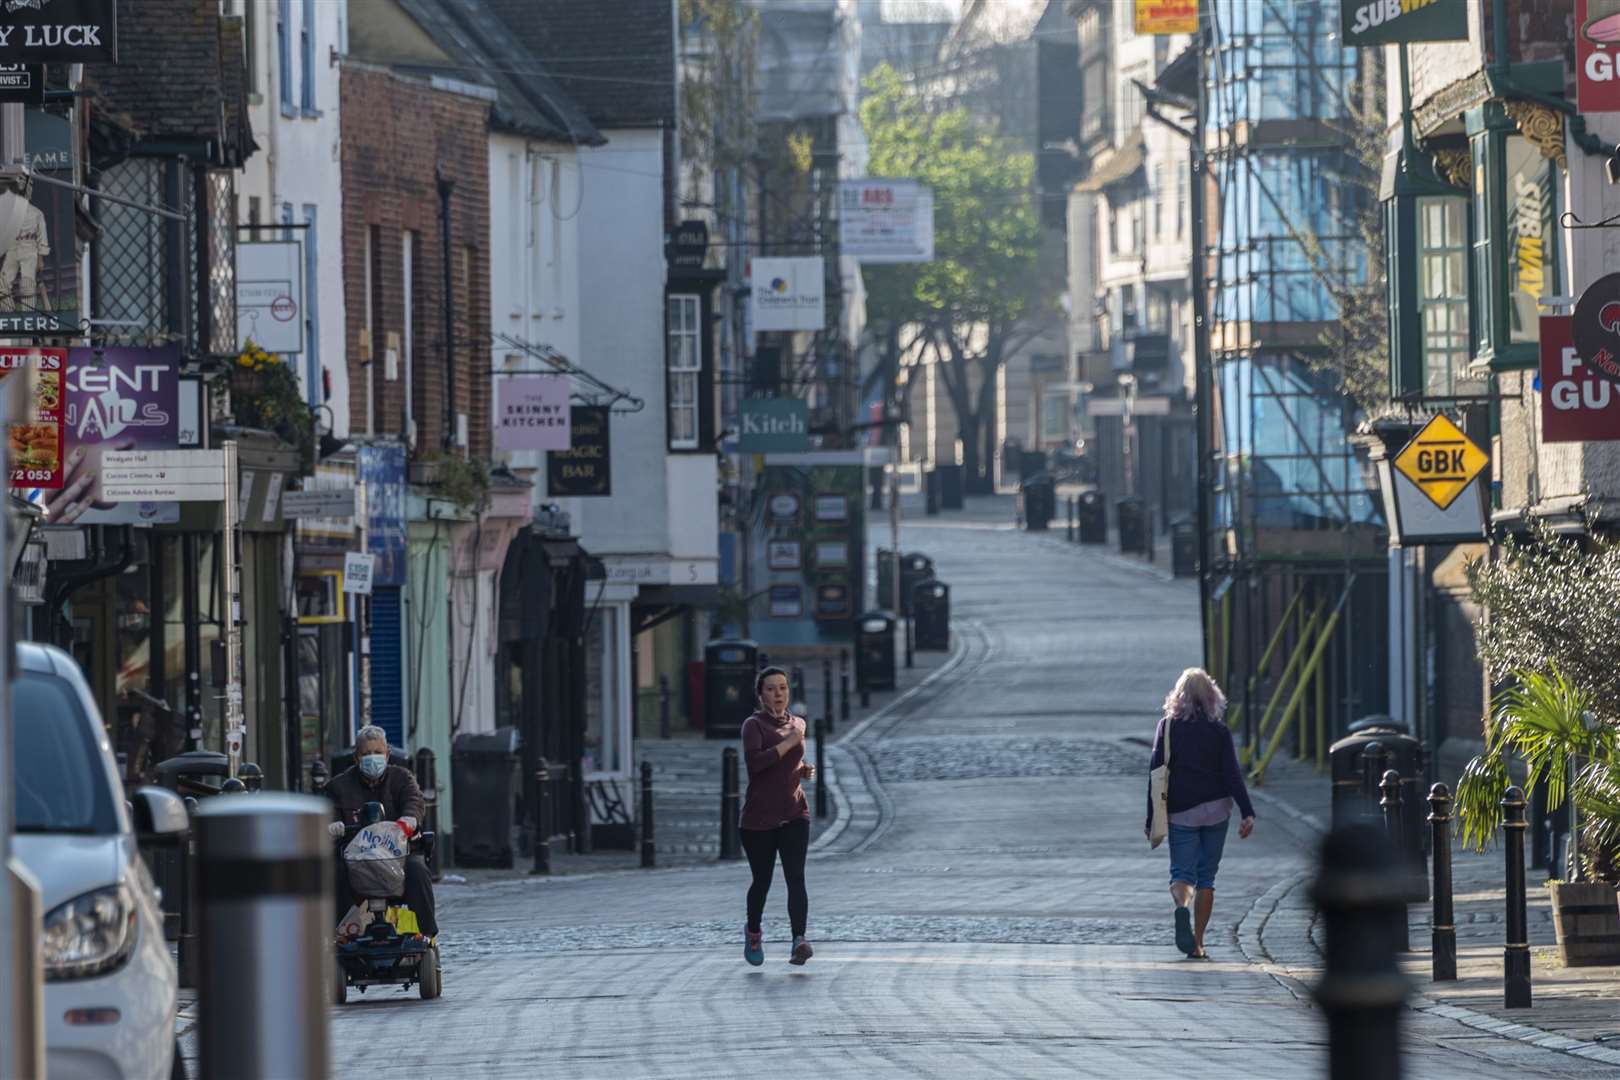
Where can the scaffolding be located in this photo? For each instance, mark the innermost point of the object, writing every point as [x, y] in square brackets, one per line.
[1294, 578]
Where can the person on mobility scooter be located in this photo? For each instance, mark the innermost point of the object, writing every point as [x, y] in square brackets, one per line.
[380, 940]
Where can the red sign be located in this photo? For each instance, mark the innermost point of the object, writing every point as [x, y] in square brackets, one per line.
[36, 443]
[1597, 55]
[1577, 403]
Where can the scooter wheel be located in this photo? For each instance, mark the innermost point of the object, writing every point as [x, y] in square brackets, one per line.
[340, 986]
[427, 976]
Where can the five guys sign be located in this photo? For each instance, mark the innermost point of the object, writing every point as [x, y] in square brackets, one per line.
[1577, 403]
[67, 31]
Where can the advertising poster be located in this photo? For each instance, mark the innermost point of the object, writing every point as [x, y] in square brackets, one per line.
[532, 412]
[1167, 17]
[117, 399]
[36, 443]
[39, 284]
[886, 221]
[807, 538]
[383, 470]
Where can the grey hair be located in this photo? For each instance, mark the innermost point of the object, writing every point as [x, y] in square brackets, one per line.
[1195, 695]
[369, 733]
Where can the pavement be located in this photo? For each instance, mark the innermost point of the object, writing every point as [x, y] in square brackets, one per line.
[983, 903]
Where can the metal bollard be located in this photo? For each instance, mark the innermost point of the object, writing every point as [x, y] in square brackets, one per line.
[827, 692]
[843, 686]
[1373, 756]
[730, 838]
[1359, 891]
[542, 816]
[266, 969]
[186, 946]
[821, 763]
[1516, 954]
[1069, 534]
[649, 852]
[798, 690]
[1445, 928]
[908, 640]
[427, 779]
[663, 706]
[1390, 803]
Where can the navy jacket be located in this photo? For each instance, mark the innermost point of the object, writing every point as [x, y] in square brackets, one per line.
[1203, 766]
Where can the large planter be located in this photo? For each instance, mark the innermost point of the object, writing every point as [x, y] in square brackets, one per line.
[1586, 920]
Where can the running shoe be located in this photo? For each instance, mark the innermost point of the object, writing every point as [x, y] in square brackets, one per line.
[753, 946]
[801, 951]
[1185, 941]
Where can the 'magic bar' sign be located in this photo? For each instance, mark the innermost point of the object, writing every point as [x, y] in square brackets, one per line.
[67, 31]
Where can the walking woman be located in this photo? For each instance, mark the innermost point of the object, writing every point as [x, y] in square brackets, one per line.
[1205, 780]
[775, 815]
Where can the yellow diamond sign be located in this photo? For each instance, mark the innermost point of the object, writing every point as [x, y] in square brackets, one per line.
[1441, 461]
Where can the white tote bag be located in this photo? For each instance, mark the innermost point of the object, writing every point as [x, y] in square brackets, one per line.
[1159, 794]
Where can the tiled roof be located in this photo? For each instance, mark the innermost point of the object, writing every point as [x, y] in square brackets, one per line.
[170, 82]
[617, 60]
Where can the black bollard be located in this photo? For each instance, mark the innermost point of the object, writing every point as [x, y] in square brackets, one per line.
[821, 780]
[663, 706]
[843, 686]
[649, 852]
[1069, 534]
[1373, 757]
[730, 839]
[1516, 954]
[797, 686]
[1445, 930]
[1390, 803]
[186, 946]
[1360, 891]
[542, 825]
[909, 657]
[427, 779]
[827, 692]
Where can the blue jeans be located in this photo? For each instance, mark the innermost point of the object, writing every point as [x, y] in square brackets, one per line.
[1195, 853]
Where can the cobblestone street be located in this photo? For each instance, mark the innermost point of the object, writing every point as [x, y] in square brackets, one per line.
[989, 908]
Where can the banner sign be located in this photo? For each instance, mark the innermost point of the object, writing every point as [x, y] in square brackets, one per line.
[382, 467]
[66, 31]
[270, 294]
[22, 84]
[1597, 55]
[1577, 403]
[774, 426]
[886, 221]
[585, 468]
[1390, 22]
[118, 398]
[531, 412]
[36, 443]
[1154, 17]
[789, 294]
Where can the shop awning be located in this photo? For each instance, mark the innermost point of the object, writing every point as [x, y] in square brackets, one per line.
[1117, 166]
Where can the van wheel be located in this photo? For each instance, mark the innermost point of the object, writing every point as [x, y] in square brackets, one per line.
[340, 986]
[427, 977]
[177, 1067]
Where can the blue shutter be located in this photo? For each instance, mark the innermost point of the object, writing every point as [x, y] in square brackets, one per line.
[284, 54]
[387, 665]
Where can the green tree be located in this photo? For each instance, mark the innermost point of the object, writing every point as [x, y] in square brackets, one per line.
[972, 306]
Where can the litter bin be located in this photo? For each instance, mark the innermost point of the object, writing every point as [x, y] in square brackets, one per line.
[729, 670]
[1093, 514]
[931, 485]
[931, 610]
[914, 567]
[1351, 803]
[874, 651]
[484, 770]
[1132, 515]
[950, 487]
[1183, 548]
[1038, 494]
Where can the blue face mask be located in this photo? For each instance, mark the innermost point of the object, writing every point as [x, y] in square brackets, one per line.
[373, 765]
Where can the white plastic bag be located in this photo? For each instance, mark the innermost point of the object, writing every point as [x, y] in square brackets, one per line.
[376, 860]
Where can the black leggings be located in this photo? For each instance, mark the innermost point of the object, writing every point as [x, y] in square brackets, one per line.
[792, 841]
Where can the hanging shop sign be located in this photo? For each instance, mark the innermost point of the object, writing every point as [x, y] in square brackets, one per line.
[1441, 461]
[382, 467]
[1390, 22]
[64, 31]
[773, 426]
[117, 399]
[36, 443]
[1595, 326]
[886, 221]
[270, 295]
[790, 294]
[585, 468]
[1577, 403]
[1597, 56]
[532, 412]
[22, 84]
[39, 283]
[359, 572]
[1155, 17]
[689, 246]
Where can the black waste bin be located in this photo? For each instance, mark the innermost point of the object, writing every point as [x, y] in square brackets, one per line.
[1038, 496]
[914, 567]
[931, 610]
[484, 772]
[874, 651]
[1183, 548]
[1133, 526]
[1092, 510]
[1031, 463]
[931, 484]
[1351, 803]
[730, 667]
[950, 487]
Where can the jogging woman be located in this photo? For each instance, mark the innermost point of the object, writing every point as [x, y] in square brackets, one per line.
[1204, 781]
[775, 815]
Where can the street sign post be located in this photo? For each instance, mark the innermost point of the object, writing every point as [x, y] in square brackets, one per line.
[321, 503]
[357, 568]
[1441, 461]
[163, 475]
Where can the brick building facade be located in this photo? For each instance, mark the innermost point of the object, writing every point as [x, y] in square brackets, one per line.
[399, 136]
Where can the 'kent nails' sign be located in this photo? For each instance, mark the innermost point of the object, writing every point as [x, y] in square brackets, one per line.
[65, 31]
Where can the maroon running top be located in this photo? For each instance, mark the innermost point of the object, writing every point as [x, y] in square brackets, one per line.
[775, 796]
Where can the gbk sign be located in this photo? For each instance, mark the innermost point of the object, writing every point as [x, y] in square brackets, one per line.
[1577, 403]
[67, 31]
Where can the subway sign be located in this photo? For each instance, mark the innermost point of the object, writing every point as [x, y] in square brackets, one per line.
[1390, 22]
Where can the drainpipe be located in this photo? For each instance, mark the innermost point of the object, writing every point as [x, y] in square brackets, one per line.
[446, 187]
